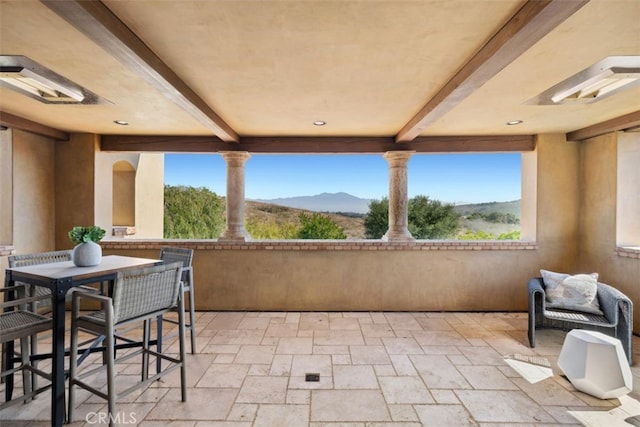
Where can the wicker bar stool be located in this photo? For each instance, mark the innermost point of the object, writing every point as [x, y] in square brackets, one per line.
[41, 306]
[18, 322]
[184, 256]
[138, 297]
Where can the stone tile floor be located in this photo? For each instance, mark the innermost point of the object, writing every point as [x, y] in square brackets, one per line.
[376, 370]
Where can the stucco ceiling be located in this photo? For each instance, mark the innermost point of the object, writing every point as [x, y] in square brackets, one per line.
[271, 68]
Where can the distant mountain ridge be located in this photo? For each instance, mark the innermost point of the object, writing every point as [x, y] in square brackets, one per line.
[324, 202]
[345, 202]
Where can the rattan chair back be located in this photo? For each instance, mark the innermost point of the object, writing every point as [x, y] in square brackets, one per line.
[36, 259]
[182, 255]
[147, 290]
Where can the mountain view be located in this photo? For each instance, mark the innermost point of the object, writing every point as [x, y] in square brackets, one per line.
[347, 211]
[325, 202]
[198, 213]
[344, 202]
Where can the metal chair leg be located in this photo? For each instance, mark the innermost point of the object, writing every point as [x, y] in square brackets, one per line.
[192, 320]
[26, 375]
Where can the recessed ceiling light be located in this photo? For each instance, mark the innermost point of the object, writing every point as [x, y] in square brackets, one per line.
[121, 122]
[319, 123]
[513, 122]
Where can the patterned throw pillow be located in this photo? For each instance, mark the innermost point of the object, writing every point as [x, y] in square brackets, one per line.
[567, 292]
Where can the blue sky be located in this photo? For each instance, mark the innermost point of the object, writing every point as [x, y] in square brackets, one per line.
[453, 178]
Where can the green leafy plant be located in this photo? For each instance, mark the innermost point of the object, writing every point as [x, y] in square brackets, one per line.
[318, 226]
[92, 233]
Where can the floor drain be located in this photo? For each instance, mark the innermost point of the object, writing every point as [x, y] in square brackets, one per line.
[313, 378]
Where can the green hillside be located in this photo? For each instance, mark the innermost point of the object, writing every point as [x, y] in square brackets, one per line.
[494, 218]
[198, 213]
[512, 207]
[353, 226]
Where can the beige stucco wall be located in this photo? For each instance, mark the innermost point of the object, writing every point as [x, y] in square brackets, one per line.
[74, 185]
[558, 203]
[124, 194]
[28, 201]
[628, 189]
[56, 185]
[34, 214]
[6, 187]
[597, 243]
[148, 193]
[150, 196]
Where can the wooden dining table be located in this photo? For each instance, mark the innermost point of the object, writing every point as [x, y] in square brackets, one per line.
[61, 277]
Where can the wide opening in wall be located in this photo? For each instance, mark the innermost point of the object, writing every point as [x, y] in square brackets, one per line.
[332, 196]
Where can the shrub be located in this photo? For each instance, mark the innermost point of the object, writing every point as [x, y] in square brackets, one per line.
[270, 230]
[318, 226]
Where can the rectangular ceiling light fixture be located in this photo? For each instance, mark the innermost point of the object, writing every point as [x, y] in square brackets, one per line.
[39, 86]
[605, 78]
[32, 79]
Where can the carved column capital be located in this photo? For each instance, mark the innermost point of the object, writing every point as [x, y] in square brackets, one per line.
[398, 159]
[235, 158]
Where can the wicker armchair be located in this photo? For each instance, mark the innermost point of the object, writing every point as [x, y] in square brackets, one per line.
[616, 322]
[17, 322]
[184, 256]
[138, 297]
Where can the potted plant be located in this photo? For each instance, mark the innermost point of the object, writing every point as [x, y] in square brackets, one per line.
[87, 251]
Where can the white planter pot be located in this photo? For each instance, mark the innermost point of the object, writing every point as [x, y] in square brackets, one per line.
[87, 254]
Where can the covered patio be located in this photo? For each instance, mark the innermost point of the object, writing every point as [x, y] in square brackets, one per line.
[375, 369]
[129, 81]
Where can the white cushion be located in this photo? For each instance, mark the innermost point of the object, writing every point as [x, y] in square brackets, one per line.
[567, 292]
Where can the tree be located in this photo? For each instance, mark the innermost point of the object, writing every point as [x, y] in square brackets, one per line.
[376, 221]
[428, 219]
[432, 219]
[192, 213]
[318, 226]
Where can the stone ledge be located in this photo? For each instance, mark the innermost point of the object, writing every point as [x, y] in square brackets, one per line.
[628, 251]
[6, 250]
[325, 245]
[123, 231]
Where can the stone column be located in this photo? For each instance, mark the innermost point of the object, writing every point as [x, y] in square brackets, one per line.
[398, 197]
[235, 195]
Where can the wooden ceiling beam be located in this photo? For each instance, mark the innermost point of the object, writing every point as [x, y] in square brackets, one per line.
[318, 145]
[627, 122]
[97, 22]
[532, 22]
[15, 122]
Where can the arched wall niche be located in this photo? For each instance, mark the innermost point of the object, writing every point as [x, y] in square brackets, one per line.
[124, 194]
